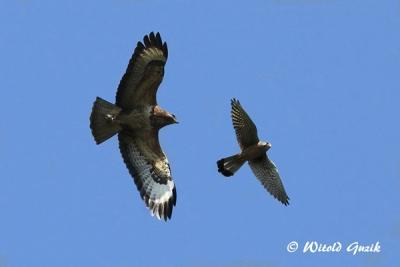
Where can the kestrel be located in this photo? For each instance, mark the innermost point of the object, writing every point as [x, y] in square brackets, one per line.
[255, 152]
[137, 119]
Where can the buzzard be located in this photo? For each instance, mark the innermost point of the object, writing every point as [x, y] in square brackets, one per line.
[254, 151]
[137, 119]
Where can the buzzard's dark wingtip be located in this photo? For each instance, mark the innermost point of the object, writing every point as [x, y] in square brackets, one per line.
[174, 196]
[285, 201]
[152, 37]
[221, 169]
[146, 40]
[234, 101]
[152, 40]
[165, 49]
[166, 212]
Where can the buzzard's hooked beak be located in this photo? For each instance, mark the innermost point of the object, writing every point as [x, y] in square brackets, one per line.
[175, 121]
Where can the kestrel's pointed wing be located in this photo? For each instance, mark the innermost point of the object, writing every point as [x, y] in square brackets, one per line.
[144, 74]
[150, 170]
[267, 173]
[246, 130]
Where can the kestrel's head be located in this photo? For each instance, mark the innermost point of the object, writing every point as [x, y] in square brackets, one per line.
[265, 145]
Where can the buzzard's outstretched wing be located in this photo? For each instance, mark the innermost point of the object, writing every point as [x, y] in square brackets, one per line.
[144, 74]
[246, 131]
[265, 170]
[150, 170]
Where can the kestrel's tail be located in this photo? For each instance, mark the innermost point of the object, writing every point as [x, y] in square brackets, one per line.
[228, 166]
[102, 120]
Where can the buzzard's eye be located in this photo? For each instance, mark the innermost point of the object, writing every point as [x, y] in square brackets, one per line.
[173, 116]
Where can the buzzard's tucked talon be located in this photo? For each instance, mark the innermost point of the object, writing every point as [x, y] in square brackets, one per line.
[110, 117]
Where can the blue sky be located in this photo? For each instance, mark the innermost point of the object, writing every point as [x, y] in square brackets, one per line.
[320, 78]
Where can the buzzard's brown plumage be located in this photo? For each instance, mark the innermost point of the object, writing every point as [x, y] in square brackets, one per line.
[144, 73]
[254, 151]
[137, 119]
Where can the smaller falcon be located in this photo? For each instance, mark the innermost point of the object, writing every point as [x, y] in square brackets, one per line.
[255, 152]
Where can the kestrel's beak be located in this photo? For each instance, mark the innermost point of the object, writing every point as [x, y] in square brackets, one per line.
[269, 145]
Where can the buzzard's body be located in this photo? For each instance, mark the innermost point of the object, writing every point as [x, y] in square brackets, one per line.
[254, 152]
[137, 119]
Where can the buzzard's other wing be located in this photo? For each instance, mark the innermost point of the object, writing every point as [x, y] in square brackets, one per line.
[150, 170]
[144, 74]
[246, 131]
[265, 170]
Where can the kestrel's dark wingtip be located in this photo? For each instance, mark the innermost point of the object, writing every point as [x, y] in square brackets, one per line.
[221, 169]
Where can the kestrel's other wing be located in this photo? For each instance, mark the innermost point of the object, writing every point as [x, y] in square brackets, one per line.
[150, 170]
[267, 173]
[246, 130]
[144, 73]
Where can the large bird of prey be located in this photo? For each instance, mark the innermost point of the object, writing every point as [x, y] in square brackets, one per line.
[137, 119]
[255, 152]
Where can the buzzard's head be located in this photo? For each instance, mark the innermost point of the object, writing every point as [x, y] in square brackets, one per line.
[162, 118]
[265, 145]
[170, 118]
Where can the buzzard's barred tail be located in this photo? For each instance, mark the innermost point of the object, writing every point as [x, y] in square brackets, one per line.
[228, 166]
[102, 120]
